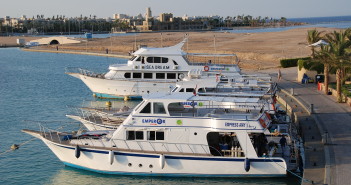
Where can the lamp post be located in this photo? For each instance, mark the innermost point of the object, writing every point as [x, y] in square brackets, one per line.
[86, 45]
[111, 41]
[161, 41]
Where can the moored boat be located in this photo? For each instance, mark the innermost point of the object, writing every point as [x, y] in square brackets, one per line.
[154, 70]
[161, 137]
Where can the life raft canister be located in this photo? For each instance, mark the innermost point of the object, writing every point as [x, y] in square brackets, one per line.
[206, 68]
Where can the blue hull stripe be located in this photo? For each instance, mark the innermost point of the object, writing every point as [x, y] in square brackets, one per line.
[175, 157]
[109, 96]
[172, 174]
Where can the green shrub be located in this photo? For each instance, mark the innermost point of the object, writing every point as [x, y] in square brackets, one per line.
[310, 65]
[291, 62]
[344, 88]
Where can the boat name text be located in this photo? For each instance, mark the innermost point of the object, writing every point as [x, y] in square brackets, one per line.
[156, 67]
[228, 124]
[153, 121]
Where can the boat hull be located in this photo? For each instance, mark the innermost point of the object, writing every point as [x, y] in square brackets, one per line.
[119, 89]
[147, 164]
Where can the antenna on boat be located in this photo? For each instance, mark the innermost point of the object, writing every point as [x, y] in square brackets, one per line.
[186, 38]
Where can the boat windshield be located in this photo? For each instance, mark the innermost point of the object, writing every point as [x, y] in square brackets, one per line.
[202, 109]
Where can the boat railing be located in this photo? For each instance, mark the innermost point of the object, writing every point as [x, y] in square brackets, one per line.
[162, 146]
[96, 116]
[242, 111]
[148, 146]
[84, 72]
[75, 138]
[54, 134]
[211, 59]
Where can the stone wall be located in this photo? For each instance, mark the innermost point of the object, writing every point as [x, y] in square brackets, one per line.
[312, 74]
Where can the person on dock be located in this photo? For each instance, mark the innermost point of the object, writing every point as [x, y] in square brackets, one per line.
[283, 143]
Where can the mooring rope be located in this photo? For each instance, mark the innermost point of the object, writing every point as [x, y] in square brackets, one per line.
[298, 176]
[15, 146]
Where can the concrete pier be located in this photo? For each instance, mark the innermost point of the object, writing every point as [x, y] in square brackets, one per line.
[327, 155]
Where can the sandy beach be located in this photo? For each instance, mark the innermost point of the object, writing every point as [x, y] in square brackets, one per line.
[255, 50]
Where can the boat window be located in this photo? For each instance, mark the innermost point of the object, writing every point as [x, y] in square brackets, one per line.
[151, 135]
[146, 109]
[139, 135]
[164, 60]
[224, 141]
[159, 108]
[137, 107]
[160, 75]
[135, 135]
[150, 59]
[160, 135]
[138, 59]
[130, 135]
[174, 90]
[155, 135]
[175, 63]
[157, 59]
[126, 75]
[136, 75]
[148, 75]
[201, 90]
[181, 90]
[171, 75]
[174, 107]
[189, 89]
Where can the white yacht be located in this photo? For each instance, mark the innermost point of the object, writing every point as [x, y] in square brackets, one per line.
[154, 70]
[248, 92]
[161, 137]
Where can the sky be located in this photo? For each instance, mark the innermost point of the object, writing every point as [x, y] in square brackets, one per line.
[106, 8]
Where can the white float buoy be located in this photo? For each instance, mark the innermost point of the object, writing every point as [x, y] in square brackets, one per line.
[111, 155]
[77, 152]
[162, 161]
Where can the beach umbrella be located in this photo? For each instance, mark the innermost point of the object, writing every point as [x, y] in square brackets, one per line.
[319, 43]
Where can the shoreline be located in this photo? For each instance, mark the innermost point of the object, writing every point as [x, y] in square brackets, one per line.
[76, 53]
[256, 51]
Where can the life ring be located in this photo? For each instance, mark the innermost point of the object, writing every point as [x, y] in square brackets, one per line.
[181, 76]
[206, 68]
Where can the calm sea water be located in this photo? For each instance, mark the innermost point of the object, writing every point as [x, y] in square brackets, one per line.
[33, 86]
[312, 22]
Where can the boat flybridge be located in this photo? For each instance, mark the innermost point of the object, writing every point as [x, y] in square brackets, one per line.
[161, 137]
[261, 88]
[154, 70]
[246, 97]
[236, 86]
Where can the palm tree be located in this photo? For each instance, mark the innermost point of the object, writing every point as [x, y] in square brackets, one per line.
[323, 57]
[313, 36]
[338, 55]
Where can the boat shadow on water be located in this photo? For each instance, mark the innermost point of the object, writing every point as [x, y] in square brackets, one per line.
[70, 175]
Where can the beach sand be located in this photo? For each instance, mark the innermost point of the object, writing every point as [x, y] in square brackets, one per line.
[255, 50]
[12, 40]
